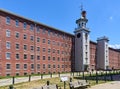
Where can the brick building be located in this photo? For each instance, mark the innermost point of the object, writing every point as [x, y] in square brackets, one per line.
[30, 47]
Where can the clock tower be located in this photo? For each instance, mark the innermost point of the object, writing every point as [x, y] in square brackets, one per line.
[82, 49]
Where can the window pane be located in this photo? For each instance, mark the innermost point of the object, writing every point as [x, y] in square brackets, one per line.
[7, 20]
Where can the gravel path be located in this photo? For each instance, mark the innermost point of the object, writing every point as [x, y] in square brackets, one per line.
[110, 85]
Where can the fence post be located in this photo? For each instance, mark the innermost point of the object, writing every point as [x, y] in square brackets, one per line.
[51, 75]
[41, 76]
[59, 74]
[29, 78]
[96, 77]
[13, 80]
[73, 73]
[83, 75]
[111, 76]
[79, 73]
[11, 87]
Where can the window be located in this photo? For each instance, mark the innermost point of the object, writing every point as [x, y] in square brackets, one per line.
[53, 42]
[25, 66]
[38, 39]
[31, 48]
[8, 55]
[25, 36]
[43, 49]
[43, 57]
[31, 27]
[24, 25]
[31, 38]
[49, 65]
[48, 57]
[38, 66]
[53, 58]
[49, 50]
[8, 66]
[48, 41]
[17, 23]
[38, 48]
[43, 40]
[17, 46]
[17, 66]
[43, 66]
[17, 56]
[53, 66]
[32, 57]
[25, 47]
[58, 51]
[17, 34]
[25, 56]
[7, 20]
[7, 33]
[53, 50]
[43, 30]
[8, 45]
[58, 66]
[49, 32]
[38, 29]
[32, 66]
[38, 57]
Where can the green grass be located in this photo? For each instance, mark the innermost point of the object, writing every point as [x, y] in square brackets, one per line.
[38, 83]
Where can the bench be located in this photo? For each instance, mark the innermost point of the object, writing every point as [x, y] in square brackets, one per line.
[79, 84]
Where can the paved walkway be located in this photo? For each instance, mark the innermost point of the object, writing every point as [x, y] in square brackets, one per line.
[109, 85]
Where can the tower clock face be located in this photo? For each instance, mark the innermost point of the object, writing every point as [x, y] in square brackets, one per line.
[78, 35]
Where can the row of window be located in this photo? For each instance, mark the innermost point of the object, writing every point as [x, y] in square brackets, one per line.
[18, 66]
[25, 47]
[17, 56]
[17, 35]
[37, 28]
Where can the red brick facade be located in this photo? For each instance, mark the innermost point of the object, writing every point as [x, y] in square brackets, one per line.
[32, 50]
[29, 47]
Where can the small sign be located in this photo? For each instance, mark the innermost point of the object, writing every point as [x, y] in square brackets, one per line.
[64, 78]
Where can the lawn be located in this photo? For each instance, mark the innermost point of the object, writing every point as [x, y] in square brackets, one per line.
[38, 83]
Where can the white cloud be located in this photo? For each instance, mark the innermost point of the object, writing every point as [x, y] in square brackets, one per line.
[115, 46]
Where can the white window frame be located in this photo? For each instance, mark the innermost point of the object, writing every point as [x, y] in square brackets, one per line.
[8, 32]
[7, 55]
[8, 44]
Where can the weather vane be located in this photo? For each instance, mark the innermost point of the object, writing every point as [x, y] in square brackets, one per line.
[81, 7]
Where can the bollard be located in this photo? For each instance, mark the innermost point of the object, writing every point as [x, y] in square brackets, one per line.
[29, 78]
[73, 74]
[51, 75]
[79, 73]
[70, 79]
[96, 77]
[111, 76]
[83, 75]
[13, 80]
[48, 83]
[59, 74]
[90, 74]
[41, 76]
[11, 87]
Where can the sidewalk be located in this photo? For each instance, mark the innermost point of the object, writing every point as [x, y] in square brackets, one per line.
[109, 85]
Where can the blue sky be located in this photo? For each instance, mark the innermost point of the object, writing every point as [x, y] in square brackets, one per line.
[103, 15]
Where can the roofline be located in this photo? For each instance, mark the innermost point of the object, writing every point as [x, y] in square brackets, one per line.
[118, 50]
[8, 12]
[93, 42]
